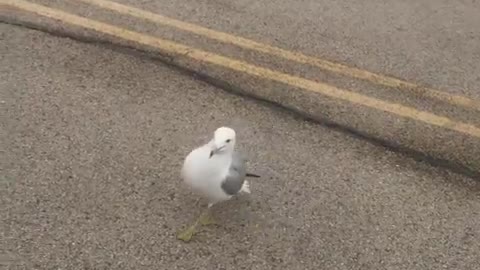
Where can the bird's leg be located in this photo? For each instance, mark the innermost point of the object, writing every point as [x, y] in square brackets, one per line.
[197, 200]
[204, 219]
[207, 218]
[187, 234]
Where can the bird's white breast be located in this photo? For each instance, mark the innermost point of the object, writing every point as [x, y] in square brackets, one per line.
[204, 174]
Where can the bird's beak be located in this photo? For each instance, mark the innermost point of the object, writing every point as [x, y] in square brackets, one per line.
[215, 150]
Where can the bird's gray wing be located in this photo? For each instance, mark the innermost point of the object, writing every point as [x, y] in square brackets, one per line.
[237, 172]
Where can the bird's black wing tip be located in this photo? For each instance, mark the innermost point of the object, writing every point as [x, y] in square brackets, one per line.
[253, 175]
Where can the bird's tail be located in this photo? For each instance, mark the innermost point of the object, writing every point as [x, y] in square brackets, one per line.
[253, 175]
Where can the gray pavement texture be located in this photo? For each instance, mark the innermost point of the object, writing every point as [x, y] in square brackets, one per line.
[431, 42]
[434, 43]
[93, 142]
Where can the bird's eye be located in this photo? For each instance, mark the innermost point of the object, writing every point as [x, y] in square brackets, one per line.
[228, 140]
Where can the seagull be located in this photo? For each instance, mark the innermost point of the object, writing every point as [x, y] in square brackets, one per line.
[216, 172]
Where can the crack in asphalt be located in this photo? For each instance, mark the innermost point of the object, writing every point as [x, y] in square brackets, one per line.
[167, 60]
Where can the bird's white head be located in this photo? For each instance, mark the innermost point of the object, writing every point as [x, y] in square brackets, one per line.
[223, 141]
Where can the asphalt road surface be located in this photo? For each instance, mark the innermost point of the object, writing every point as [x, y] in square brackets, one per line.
[93, 138]
[407, 78]
[93, 142]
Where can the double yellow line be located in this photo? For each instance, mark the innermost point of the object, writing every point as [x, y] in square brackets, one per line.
[292, 56]
[264, 73]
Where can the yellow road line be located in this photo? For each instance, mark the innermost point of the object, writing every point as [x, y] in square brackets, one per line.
[293, 56]
[264, 73]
